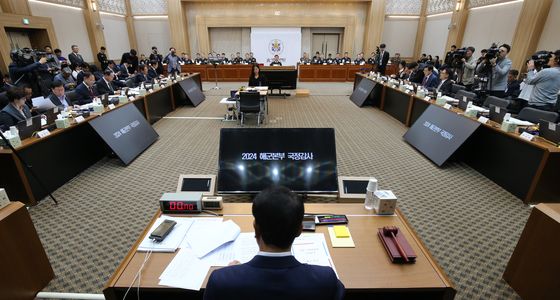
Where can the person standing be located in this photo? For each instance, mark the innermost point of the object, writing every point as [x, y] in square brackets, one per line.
[102, 58]
[383, 59]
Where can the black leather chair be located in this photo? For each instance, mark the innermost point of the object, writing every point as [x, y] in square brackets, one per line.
[534, 115]
[456, 88]
[3, 100]
[71, 95]
[130, 82]
[250, 103]
[493, 100]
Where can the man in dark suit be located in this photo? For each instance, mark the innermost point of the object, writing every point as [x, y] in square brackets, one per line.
[383, 59]
[157, 57]
[131, 59]
[141, 76]
[152, 70]
[57, 96]
[276, 61]
[123, 71]
[430, 80]
[445, 85]
[513, 85]
[274, 273]
[85, 91]
[107, 84]
[75, 58]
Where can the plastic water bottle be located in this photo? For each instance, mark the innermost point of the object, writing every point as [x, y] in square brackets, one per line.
[371, 188]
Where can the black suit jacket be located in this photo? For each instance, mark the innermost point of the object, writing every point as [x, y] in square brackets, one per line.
[274, 278]
[446, 87]
[83, 95]
[54, 99]
[139, 78]
[102, 87]
[75, 59]
[152, 73]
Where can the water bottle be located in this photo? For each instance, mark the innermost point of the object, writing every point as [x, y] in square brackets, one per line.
[14, 131]
[371, 188]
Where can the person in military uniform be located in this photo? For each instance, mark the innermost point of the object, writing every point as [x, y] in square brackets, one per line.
[360, 59]
[252, 59]
[346, 59]
[317, 59]
[247, 59]
[237, 59]
[225, 60]
[102, 58]
[329, 60]
[338, 59]
[305, 59]
[276, 61]
[316, 55]
[199, 60]
[186, 59]
[372, 59]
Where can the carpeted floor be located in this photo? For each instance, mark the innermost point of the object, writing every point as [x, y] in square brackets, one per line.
[469, 224]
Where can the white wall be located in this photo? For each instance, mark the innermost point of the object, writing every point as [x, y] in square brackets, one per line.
[116, 36]
[435, 35]
[399, 35]
[69, 26]
[230, 40]
[550, 40]
[152, 32]
[491, 24]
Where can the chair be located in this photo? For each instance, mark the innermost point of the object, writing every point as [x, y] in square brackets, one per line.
[534, 115]
[130, 82]
[250, 103]
[71, 95]
[3, 100]
[455, 88]
[470, 95]
[493, 100]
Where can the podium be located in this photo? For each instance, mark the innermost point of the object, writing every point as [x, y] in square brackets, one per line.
[26, 269]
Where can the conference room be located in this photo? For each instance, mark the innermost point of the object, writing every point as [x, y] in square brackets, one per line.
[359, 149]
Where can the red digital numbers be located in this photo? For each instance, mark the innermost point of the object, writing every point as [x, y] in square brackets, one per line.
[175, 205]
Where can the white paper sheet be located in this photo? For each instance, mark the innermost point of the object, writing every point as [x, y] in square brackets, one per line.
[185, 271]
[42, 104]
[207, 238]
[172, 241]
[198, 225]
[520, 122]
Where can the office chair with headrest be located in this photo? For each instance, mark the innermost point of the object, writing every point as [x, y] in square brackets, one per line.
[455, 88]
[534, 115]
[130, 82]
[250, 103]
[71, 95]
[493, 100]
[3, 100]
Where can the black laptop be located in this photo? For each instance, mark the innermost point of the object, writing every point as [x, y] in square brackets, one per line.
[27, 127]
[497, 113]
[463, 103]
[549, 131]
[51, 115]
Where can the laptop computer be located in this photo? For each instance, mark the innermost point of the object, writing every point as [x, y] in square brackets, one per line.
[51, 115]
[27, 127]
[549, 131]
[497, 113]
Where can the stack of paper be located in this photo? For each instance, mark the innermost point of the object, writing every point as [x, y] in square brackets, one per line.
[213, 235]
[172, 241]
[520, 122]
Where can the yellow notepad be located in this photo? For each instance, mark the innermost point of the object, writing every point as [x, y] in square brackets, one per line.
[341, 231]
[341, 242]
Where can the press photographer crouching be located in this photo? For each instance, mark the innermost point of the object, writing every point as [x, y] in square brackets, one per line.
[493, 71]
[29, 67]
[545, 82]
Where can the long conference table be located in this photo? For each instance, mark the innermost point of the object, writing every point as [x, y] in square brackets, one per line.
[308, 73]
[366, 270]
[65, 153]
[527, 169]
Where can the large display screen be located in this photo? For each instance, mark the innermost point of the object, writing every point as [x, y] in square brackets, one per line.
[126, 132]
[302, 159]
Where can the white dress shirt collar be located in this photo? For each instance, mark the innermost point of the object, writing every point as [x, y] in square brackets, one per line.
[274, 254]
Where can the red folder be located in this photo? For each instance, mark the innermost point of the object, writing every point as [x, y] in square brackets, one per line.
[392, 250]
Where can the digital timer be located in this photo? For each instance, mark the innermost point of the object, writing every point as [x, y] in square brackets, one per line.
[181, 203]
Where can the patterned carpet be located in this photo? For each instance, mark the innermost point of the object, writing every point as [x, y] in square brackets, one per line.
[469, 224]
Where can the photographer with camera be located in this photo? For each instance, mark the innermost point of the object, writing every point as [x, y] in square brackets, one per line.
[466, 76]
[24, 69]
[545, 83]
[495, 68]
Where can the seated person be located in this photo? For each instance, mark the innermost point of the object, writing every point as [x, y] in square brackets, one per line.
[360, 59]
[317, 59]
[113, 67]
[199, 60]
[80, 75]
[225, 60]
[6, 83]
[415, 74]
[372, 58]
[445, 84]
[65, 76]
[346, 59]
[257, 79]
[141, 76]
[85, 91]
[123, 70]
[152, 70]
[186, 59]
[274, 273]
[276, 61]
[329, 60]
[58, 96]
[430, 80]
[143, 60]
[107, 84]
[338, 59]
[401, 74]
[305, 59]
[16, 110]
[237, 59]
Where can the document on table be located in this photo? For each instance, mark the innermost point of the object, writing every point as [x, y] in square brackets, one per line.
[42, 103]
[172, 241]
[520, 122]
[185, 271]
[243, 249]
[208, 238]
[311, 248]
[199, 223]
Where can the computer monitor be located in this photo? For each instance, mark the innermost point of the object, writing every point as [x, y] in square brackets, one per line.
[197, 183]
[497, 113]
[27, 127]
[549, 131]
[302, 159]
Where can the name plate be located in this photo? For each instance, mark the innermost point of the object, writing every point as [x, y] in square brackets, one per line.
[447, 106]
[43, 133]
[483, 119]
[79, 119]
[111, 106]
[131, 98]
[527, 136]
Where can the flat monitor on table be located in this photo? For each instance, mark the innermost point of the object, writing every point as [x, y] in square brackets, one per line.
[352, 187]
[549, 131]
[302, 159]
[28, 127]
[197, 183]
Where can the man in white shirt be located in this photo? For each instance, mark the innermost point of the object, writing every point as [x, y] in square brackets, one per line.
[58, 96]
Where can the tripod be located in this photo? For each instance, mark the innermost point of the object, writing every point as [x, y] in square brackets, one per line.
[28, 167]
